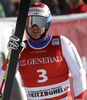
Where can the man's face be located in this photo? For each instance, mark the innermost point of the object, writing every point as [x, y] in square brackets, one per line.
[35, 32]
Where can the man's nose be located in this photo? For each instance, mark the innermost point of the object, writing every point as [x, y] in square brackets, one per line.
[35, 26]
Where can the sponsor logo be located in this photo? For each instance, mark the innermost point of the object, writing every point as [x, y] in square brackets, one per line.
[43, 93]
[69, 43]
[76, 58]
[50, 91]
[55, 41]
[42, 60]
[42, 51]
[36, 10]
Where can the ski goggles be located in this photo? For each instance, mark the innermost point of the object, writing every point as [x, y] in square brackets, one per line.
[38, 20]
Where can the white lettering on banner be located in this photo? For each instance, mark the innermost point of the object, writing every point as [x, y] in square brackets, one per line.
[43, 60]
[84, 61]
[48, 91]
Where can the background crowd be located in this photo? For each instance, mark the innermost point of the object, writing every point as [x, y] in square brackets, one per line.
[9, 8]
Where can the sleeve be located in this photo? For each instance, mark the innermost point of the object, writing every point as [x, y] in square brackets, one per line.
[75, 66]
[3, 72]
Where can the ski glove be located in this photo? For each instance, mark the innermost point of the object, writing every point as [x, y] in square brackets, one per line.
[13, 43]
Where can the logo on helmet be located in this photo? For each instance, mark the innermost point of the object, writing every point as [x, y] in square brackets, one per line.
[36, 10]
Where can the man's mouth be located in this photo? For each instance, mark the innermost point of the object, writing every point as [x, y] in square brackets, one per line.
[35, 32]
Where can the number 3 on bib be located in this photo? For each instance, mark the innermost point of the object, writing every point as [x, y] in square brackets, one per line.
[43, 75]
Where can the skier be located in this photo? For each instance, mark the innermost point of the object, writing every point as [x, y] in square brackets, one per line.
[45, 60]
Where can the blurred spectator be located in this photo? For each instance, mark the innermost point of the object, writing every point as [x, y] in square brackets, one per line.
[7, 7]
[77, 6]
[63, 6]
[15, 6]
[32, 1]
[85, 1]
[53, 5]
[2, 12]
[15, 1]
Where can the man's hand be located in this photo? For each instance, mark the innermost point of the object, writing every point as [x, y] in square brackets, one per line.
[14, 43]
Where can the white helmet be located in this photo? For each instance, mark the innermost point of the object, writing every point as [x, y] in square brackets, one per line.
[40, 15]
[39, 9]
